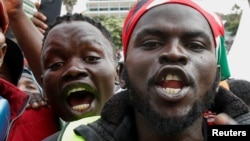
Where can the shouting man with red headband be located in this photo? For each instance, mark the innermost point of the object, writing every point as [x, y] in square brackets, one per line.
[174, 60]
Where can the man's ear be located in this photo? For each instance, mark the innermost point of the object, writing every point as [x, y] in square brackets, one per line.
[218, 77]
[121, 73]
[44, 94]
[41, 79]
[2, 54]
[117, 78]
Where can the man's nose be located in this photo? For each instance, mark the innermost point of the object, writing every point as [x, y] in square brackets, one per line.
[173, 53]
[75, 69]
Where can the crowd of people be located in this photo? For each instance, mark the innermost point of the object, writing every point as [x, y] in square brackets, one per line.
[63, 81]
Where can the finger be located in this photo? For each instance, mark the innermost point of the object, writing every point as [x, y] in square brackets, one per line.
[35, 105]
[38, 104]
[39, 19]
[28, 106]
[44, 103]
[34, 100]
[41, 30]
[40, 16]
[40, 99]
[224, 119]
[37, 5]
[39, 25]
[45, 98]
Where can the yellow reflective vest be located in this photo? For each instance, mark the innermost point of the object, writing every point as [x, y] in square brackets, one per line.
[68, 134]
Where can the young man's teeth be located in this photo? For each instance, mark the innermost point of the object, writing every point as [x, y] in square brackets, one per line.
[81, 107]
[172, 77]
[76, 89]
[171, 90]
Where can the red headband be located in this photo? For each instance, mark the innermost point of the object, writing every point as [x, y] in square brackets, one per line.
[143, 6]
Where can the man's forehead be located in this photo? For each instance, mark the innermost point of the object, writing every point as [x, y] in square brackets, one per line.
[142, 7]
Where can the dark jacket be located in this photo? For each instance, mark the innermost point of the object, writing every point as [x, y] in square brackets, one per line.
[117, 124]
[26, 125]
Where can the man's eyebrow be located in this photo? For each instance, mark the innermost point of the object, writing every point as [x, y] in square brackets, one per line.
[157, 32]
[194, 34]
[147, 31]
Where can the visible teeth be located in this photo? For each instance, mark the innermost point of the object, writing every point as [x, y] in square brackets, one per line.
[75, 90]
[172, 77]
[171, 90]
[81, 107]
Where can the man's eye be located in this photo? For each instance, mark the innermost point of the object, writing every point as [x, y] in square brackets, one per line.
[195, 47]
[151, 44]
[30, 87]
[56, 66]
[92, 59]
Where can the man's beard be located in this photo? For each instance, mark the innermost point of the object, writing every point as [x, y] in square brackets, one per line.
[170, 125]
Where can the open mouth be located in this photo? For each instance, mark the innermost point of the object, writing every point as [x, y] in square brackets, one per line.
[171, 84]
[80, 99]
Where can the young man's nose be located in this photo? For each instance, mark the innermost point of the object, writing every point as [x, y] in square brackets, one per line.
[173, 53]
[76, 69]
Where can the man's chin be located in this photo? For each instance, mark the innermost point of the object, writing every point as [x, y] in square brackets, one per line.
[169, 125]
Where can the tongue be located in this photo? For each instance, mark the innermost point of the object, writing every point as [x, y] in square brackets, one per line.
[172, 84]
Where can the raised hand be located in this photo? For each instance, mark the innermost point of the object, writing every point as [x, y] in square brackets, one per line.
[39, 19]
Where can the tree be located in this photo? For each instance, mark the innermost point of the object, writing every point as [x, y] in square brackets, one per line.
[231, 25]
[233, 20]
[114, 26]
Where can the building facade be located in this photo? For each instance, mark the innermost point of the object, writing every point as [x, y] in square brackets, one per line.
[116, 8]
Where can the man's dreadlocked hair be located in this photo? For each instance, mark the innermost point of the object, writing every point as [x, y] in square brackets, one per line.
[79, 17]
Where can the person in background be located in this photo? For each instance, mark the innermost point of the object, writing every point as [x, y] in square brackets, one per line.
[81, 72]
[78, 65]
[27, 83]
[4, 100]
[24, 125]
[171, 73]
[4, 103]
[31, 42]
[78, 70]
[12, 66]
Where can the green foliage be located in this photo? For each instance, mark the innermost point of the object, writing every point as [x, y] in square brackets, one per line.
[232, 20]
[114, 25]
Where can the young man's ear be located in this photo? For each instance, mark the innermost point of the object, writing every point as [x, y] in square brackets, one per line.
[121, 73]
[218, 77]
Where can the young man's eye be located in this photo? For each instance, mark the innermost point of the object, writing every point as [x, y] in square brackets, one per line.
[196, 47]
[30, 87]
[56, 66]
[151, 44]
[92, 59]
